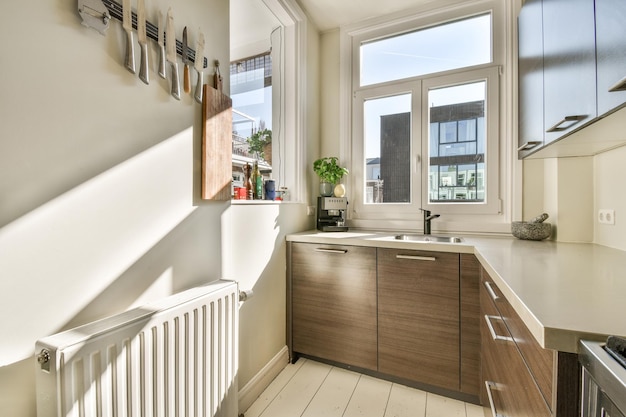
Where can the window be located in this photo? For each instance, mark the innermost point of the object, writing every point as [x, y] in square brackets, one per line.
[425, 118]
[251, 92]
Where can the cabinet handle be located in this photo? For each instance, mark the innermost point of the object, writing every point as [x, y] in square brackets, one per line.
[492, 331]
[490, 290]
[492, 385]
[416, 258]
[331, 250]
[618, 86]
[567, 119]
[529, 145]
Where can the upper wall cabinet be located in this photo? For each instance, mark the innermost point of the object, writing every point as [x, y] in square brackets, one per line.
[530, 70]
[569, 66]
[560, 90]
[557, 44]
[611, 54]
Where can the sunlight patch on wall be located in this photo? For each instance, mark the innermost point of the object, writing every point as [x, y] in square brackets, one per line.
[82, 241]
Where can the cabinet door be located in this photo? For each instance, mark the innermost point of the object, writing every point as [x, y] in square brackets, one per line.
[470, 324]
[334, 303]
[611, 54]
[569, 66]
[530, 70]
[418, 316]
[509, 385]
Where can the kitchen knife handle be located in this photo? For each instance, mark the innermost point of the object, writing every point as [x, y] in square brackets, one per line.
[143, 65]
[186, 79]
[198, 94]
[129, 60]
[175, 80]
[162, 72]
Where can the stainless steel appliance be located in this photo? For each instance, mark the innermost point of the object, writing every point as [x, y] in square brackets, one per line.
[603, 377]
[331, 214]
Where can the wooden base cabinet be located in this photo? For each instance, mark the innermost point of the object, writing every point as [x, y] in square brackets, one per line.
[418, 316]
[333, 303]
[521, 379]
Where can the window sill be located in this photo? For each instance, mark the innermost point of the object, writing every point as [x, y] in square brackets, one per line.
[258, 202]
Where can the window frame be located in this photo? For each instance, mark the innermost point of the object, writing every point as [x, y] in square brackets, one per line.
[508, 170]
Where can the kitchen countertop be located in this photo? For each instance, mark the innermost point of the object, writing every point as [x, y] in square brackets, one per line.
[562, 291]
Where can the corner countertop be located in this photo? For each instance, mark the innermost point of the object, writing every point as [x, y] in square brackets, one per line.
[562, 291]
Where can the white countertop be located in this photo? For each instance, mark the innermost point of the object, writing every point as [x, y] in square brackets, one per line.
[562, 291]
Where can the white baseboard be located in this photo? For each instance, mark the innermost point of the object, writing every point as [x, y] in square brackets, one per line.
[255, 387]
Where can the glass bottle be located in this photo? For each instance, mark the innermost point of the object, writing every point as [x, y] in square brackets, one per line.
[249, 186]
[257, 182]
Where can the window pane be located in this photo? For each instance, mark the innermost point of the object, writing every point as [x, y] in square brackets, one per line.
[458, 44]
[387, 127]
[457, 150]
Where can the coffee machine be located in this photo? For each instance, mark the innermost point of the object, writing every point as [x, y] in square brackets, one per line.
[331, 214]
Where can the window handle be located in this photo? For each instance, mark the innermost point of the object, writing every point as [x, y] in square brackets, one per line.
[572, 120]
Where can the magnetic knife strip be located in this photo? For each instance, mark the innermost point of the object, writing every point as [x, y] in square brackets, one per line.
[116, 11]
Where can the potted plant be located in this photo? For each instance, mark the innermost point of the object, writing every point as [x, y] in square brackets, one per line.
[330, 173]
[258, 143]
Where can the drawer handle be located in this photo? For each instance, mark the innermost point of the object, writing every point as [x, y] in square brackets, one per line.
[492, 331]
[491, 291]
[417, 258]
[492, 385]
[572, 120]
[331, 250]
[529, 145]
[618, 86]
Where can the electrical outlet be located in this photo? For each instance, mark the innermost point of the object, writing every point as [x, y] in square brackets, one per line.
[310, 210]
[606, 216]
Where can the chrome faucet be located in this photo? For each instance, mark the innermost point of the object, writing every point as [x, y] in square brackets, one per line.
[427, 218]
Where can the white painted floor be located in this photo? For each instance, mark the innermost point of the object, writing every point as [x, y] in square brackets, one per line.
[312, 389]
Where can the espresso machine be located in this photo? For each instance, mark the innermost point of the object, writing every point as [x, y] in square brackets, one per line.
[331, 214]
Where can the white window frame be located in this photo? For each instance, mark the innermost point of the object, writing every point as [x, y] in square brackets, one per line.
[507, 203]
[289, 100]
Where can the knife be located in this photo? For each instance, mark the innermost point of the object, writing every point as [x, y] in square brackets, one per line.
[199, 65]
[186, 62]
[127, 24]
[143, 41]
[161, 43]
[170, 44]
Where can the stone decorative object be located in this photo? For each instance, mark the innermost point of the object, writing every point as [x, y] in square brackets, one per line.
[531, 231]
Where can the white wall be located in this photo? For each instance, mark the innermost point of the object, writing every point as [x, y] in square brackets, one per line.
[609, 194]
[99, 178]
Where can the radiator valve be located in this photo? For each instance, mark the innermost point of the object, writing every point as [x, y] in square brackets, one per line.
[44, 359]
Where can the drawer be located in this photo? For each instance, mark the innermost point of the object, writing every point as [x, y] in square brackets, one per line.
[509, 386]
[540, 361]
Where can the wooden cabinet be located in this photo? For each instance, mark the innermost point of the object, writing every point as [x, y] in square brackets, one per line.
[408, 314]
[470, 324]
[333, 303]
[521, 378]
[611, 54]
[418, 316]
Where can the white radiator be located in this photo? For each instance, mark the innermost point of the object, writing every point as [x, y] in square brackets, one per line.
[174, 358]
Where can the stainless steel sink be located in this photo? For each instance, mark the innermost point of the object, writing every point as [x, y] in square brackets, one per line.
[429, 238]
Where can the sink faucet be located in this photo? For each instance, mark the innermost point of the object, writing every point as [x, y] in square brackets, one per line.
[427, 218]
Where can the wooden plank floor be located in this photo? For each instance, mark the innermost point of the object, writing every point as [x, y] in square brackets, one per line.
[312, 389]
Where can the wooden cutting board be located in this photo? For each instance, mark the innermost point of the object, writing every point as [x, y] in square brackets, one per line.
[217, 170]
